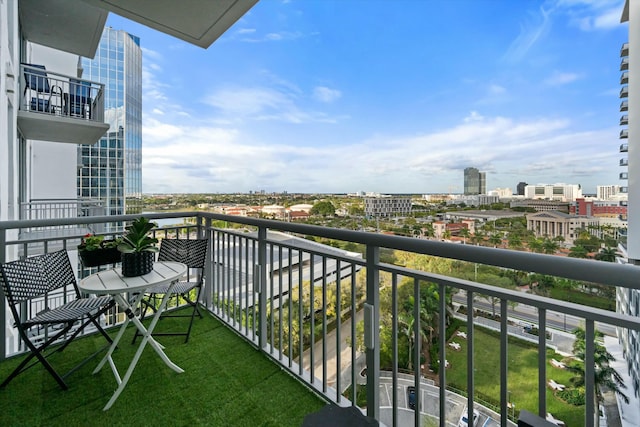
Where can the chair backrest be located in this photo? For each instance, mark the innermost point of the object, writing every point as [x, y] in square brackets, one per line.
[192, 252]
[80, 89]
[36, 276]
[36, 78]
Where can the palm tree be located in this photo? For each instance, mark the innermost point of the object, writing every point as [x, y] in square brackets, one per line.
[607, 254]
[578, 251]
[605, 375]
[495, 239]
[514, 240]
[549, 246]
[465, 234]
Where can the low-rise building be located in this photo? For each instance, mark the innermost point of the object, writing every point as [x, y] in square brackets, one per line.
[387, 206]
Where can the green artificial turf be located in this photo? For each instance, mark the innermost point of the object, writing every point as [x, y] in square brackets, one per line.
[226, 382]
[522, 377]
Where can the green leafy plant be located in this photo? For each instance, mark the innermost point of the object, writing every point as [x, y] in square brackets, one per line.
[137, 238]
[93, 243]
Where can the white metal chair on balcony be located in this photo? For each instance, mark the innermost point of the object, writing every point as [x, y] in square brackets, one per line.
[193, 253]
[37, 278]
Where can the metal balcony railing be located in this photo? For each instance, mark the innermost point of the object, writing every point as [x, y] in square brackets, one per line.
[48, 92]
[301, 303]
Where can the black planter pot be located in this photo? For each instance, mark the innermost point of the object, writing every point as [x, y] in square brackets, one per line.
[99, 257]
[137, 263]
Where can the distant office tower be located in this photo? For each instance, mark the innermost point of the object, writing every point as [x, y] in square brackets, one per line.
[474, 182]
[111, 170]
[520, 188]
[605, 192]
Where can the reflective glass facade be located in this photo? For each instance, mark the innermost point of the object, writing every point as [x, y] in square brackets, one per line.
[111, 169]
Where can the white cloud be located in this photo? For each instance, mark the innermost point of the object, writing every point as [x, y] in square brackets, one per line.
[559, 79]
[225, 159]
[266, 103]
[325, 94]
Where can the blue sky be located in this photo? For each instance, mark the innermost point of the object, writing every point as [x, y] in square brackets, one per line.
[386, 96]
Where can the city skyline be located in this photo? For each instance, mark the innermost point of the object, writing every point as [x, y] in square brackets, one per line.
[337, 97]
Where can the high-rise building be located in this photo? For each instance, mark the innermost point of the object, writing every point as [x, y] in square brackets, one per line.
[111, 170]
[475, 182]
[520, 188]
[628, 300]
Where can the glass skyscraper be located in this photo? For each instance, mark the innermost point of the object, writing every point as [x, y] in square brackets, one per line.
[111, 169]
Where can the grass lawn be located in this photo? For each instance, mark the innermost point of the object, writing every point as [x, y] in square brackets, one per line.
[522, 376]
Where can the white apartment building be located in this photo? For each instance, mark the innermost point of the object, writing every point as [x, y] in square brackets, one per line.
[606, 192]
[560, 192]
[387, 206]
[628, 300]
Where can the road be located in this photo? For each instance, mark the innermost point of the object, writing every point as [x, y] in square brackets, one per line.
[528, 314]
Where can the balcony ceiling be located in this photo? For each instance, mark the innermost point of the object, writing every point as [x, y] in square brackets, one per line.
[66, 25]
[199, 22]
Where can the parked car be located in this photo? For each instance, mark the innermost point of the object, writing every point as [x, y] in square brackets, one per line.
[411, 397]
[464, 421]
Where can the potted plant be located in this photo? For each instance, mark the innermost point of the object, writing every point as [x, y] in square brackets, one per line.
[95, 250]
[138, 248]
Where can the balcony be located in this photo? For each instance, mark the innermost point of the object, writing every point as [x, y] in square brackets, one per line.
[624, 120]
[624, 148]
[624, 175]
[624, 50]
[624, 106]
[277, 313]
[624, 64]
[624, 78]
[624, 92]
[624, 133]
[59, 108]
[624, 162]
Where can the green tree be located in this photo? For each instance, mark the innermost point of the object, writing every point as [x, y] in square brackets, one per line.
[607, 254]
[578, 251]
[324, 208]
[604, 375]
[465, 234]
[549, 246]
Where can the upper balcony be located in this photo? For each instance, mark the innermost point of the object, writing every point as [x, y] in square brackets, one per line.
[624, 78]
[624, 134]
[624, 148]
[624, 106]
[624, 120]
[278, 307]
[59, 108]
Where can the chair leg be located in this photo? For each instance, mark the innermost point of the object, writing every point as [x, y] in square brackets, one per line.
[196, 309]
[37, 353]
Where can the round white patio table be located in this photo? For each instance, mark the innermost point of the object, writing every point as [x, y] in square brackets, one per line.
[112, 282]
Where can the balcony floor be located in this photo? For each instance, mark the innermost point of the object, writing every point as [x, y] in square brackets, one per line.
[226, 382]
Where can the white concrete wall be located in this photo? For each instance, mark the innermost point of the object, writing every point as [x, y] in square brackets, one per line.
[633, 240]
[9, 89]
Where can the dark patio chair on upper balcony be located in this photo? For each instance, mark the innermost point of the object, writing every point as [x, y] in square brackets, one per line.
[193, 253]
[78, 101]
[36, 280]
[41, 92]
